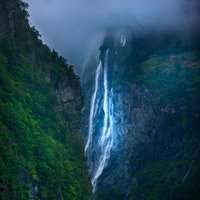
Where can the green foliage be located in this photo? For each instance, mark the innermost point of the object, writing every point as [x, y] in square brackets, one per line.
[111, 193]
[35, 146]
[151, 63]
[172, 80]
[157, 181]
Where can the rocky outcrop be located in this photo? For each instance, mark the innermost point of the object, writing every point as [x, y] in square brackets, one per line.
[70, 99]
[7, 23]
[68, 92]
[150, 133]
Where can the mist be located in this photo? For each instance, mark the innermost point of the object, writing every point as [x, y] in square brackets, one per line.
[75, 28]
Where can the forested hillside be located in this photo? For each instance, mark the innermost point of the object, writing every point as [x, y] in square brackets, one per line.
[41, 153]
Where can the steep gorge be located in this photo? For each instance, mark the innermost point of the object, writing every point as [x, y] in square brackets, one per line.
[140, 118]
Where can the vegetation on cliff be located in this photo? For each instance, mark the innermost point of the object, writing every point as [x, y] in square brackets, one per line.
[164, 70]
[39, 157]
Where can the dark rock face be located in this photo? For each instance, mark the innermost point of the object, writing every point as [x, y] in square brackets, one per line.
[70, 99]
[68, 93]
[7, 20]
[149, 135]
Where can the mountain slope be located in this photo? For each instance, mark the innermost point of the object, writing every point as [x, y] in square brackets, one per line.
[41, 150]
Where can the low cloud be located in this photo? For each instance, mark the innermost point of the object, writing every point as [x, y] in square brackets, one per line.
[75, 28]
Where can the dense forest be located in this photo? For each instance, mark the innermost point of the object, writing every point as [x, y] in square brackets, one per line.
[41, 153]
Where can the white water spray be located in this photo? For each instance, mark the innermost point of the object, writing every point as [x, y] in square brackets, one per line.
[105, 101]
[90, 132]
[123, 40]
[101, 126]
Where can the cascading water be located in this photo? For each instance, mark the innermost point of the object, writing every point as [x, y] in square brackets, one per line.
[92, 108]
[123, 40]
[101, 137]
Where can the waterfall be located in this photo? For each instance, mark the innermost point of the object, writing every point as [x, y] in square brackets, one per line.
[100, 139]
[123, 40]
[190, 167]
[92, 114]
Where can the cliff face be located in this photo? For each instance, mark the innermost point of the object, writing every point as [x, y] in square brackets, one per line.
[6, 22]
[70, 99]
[156, 113]
[156, 148]
[41, 147]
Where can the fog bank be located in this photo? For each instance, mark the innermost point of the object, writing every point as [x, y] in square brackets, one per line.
[75, 28]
